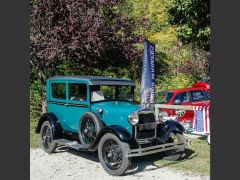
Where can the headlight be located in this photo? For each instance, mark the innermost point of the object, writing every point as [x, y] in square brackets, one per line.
[133, 118]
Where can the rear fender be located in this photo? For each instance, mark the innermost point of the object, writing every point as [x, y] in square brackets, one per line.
[55, 124]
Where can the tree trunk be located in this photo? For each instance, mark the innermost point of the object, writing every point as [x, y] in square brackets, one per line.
[44, 99]
[44, 96]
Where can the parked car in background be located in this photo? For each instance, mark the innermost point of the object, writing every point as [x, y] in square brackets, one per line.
[197, 95]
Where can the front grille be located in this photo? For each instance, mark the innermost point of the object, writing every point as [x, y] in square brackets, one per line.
[146, 128]
[146, 118]
[145, 134]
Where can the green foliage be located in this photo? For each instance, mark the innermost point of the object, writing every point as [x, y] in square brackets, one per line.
[35, 98]
[174, 81]
[180, 30]
[192, 21]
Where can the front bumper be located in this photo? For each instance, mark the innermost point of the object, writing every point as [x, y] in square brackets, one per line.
[155, 149]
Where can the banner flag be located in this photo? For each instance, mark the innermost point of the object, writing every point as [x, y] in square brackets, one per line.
[201, 121]
[147, 91]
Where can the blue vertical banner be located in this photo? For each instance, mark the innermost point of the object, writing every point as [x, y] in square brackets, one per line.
[147, 91]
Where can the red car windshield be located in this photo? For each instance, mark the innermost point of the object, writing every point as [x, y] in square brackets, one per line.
[163, 97]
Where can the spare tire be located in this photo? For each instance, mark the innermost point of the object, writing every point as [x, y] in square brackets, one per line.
[89, 126]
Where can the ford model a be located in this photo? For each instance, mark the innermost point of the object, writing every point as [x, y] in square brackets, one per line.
[98, 113]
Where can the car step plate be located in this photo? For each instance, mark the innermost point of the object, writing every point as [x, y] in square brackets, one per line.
[68, 143]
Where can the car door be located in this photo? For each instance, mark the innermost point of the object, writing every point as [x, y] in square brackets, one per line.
[184, 98]
[77, 103]
[57, 98]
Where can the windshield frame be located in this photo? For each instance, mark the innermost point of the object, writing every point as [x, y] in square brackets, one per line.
[116, 94]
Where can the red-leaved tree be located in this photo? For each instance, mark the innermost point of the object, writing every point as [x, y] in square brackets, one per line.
[87, 33]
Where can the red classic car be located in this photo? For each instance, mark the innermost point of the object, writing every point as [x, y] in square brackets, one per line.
[197, 95]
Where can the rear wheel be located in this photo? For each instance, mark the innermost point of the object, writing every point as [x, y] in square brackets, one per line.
[46, 137]
[112, 154]
[173, 155]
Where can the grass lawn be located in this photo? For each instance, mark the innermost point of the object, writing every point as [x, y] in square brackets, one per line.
[34, 138]
[196, 160]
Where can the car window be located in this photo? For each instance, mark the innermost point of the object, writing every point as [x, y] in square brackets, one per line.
[125, 93]
[77, 92]
[59, 90]
[198, 95]
[182, 97]
[207, 95]
[111, 92]
[163, 97]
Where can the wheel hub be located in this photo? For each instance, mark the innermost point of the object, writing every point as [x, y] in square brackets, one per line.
[113, 155]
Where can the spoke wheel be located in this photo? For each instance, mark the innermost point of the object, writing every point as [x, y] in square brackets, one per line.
[89, 127]
[46, 136]
[175, 154]
[88, 131]
[112, 154]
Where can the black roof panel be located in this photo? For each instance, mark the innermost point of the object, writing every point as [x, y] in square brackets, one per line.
[96, 80]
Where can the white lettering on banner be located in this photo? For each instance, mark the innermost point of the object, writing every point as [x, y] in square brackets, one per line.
[148, 74]
[152, 60]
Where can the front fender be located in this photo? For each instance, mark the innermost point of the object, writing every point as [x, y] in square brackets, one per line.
[119, 131]
[170, 126]
[175, 125]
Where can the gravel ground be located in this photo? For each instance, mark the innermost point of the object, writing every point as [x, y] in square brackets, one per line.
[68, 164]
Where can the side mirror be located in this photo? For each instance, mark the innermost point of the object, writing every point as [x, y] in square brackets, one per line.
[177, 102]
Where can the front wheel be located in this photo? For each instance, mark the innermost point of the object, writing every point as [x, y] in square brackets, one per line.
[173, 155]
[112, 154]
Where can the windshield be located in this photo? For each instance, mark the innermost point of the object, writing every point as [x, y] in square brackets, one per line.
[111, 92]
[163, 97]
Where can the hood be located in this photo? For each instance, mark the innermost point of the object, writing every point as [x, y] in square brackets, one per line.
[115, 112]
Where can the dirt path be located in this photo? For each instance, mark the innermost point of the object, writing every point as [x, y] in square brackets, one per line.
[69, 164]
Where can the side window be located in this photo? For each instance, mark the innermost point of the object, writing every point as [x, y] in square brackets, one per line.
[207, 95]
[77, 92]
[59, 90]
[198, 95]
[183, 97]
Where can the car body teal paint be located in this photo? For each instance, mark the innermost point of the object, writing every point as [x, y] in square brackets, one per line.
[69, 112]
[116, 113]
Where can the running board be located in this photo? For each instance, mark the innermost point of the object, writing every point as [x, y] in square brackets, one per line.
[71, 144]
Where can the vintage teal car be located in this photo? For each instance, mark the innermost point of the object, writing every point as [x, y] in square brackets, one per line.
[98, 113]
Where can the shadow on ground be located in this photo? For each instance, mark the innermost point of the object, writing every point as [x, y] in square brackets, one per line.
[138, 164]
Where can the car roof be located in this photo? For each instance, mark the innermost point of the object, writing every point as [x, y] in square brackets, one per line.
[186, 89]
[96, 80]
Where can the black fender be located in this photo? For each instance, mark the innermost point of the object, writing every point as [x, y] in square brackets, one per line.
[170, 126]
[122, 134]
[55, 124]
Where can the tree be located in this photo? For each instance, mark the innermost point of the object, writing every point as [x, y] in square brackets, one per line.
[192, 21]
[85, 33]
